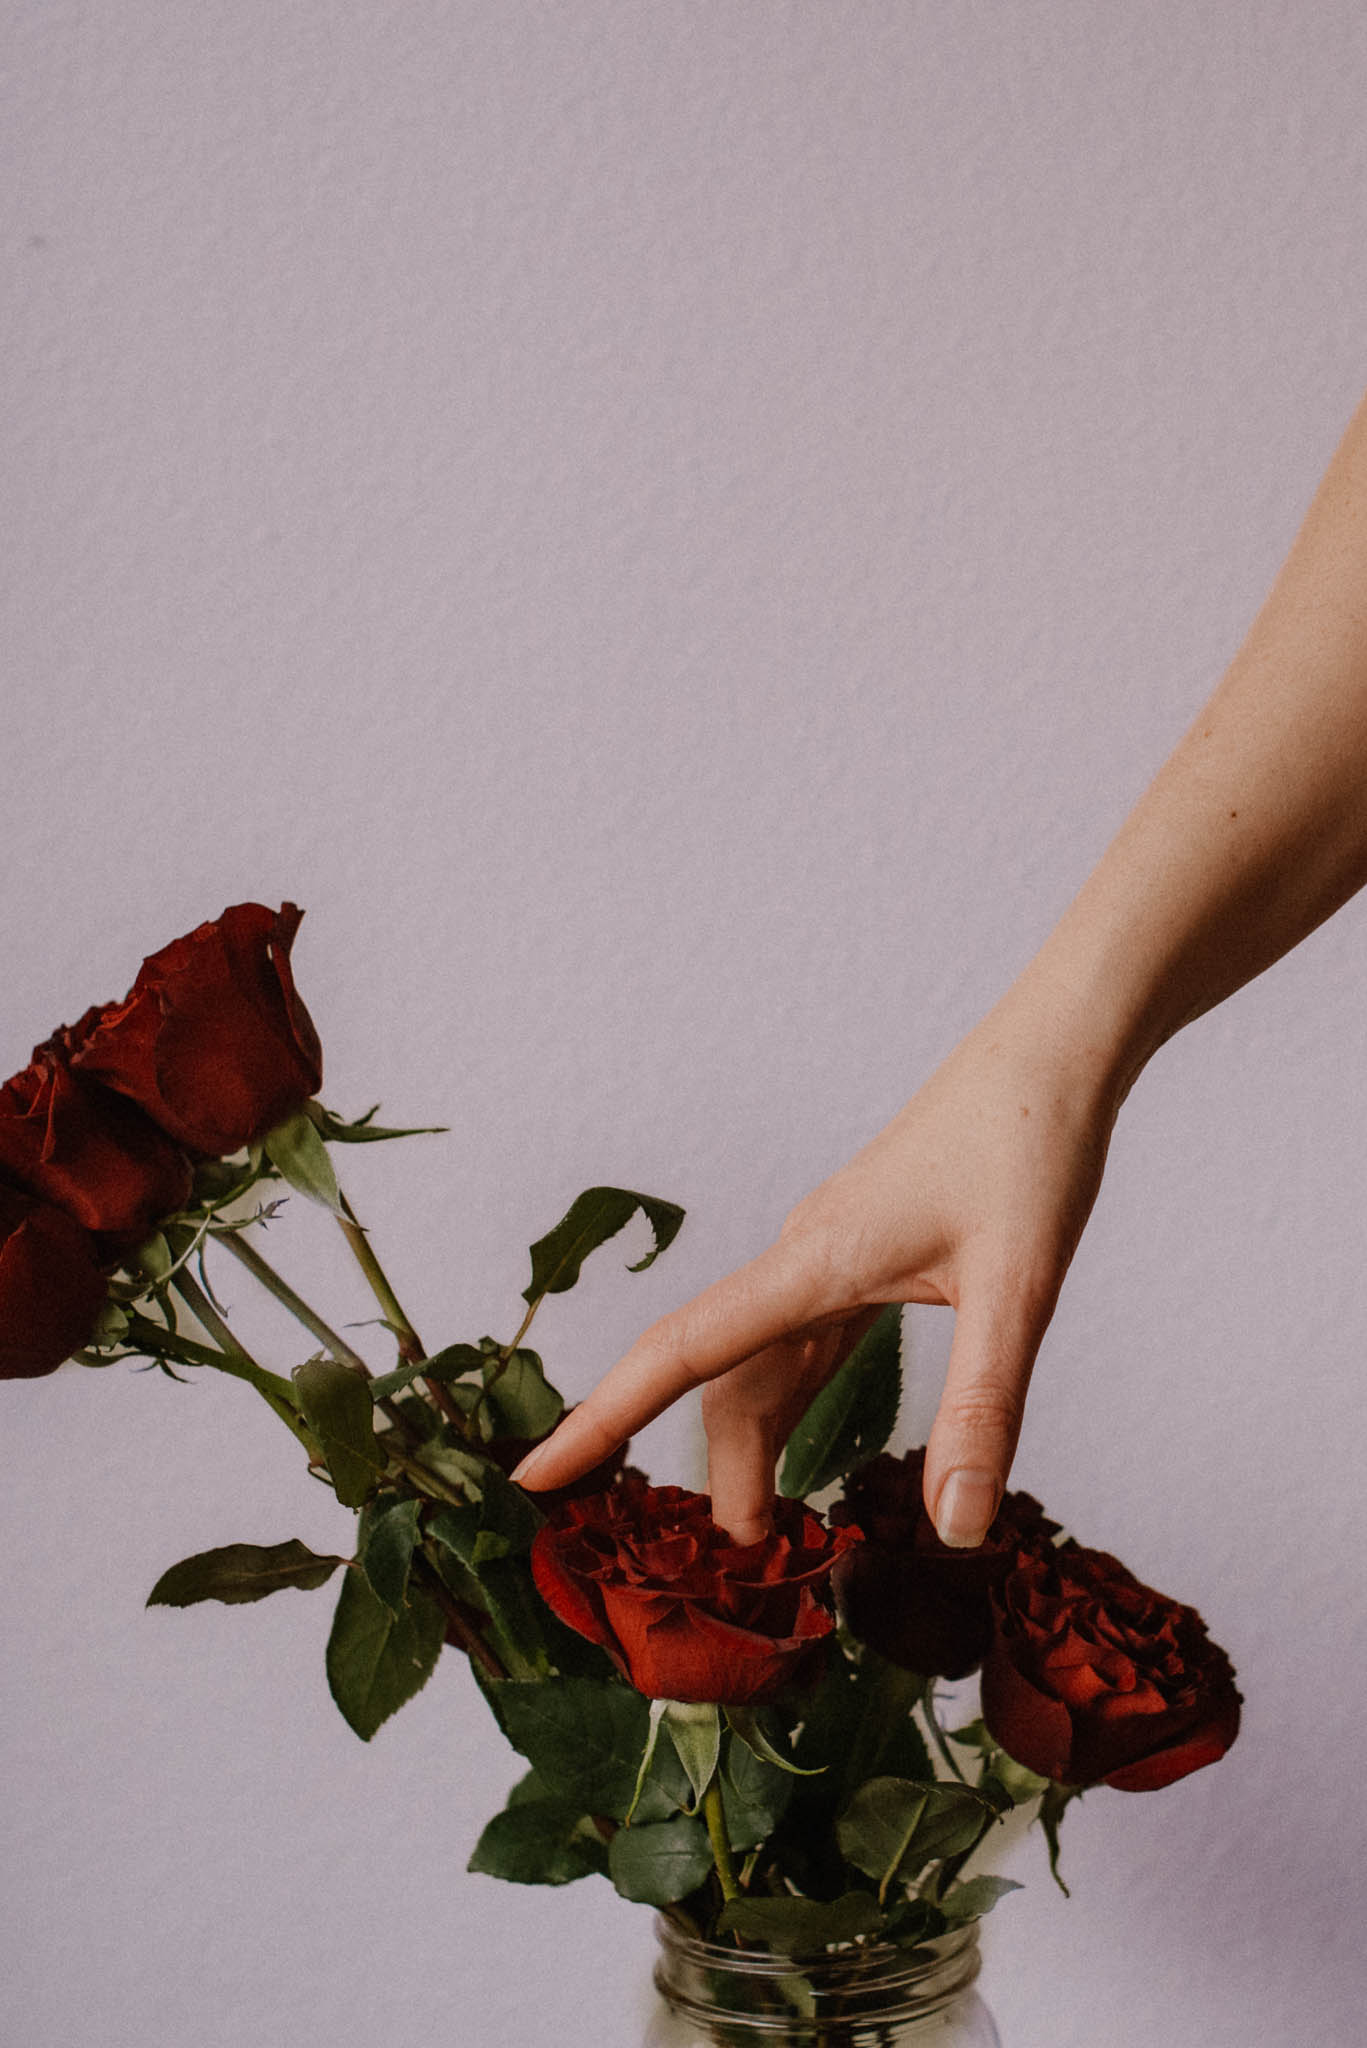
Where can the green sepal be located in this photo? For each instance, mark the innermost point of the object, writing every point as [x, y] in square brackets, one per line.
[695, 1730]
[583, 1738]
[378, 1660]
[803, 1926]
[657, 1709]
[299, 1156]
[746, 1722]
[853, 1415]
[1053, 1806]
[591, 1219]
[361, 1130]
[387, 1539]
[242, 1571]
[335, 1402]
[662, 1861]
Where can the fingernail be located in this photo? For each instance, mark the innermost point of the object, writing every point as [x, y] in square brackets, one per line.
[967, 1503]
[527, 1470]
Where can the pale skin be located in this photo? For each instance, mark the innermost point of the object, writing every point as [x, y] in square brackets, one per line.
[975, 1195]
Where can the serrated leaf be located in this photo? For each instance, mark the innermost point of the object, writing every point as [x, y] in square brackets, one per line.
[388, 1537]
[893, 1827]
[754, 1795]
[748, 1724]
[520, 1397]
[540, 1841]
[451, 1363]
[974, 1897]
[591, 1219]
[378, 1660]
[853, 1415]
[242, 1571]
[803, 1926]
[582, 1737]
[660, 1862]
[299, 1156]
[336, 1404]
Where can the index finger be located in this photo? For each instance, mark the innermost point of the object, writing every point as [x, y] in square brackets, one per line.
[768, 1298]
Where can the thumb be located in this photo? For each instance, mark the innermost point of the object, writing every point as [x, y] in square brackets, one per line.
[973, 1439]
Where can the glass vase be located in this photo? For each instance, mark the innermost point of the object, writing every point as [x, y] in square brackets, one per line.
[864, 1995]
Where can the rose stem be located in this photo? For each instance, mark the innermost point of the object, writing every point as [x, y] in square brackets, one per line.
[237, 1360]
[471, 1640]
[247, 1255]
[938, 1736]
[411, 1346]
[715, 1817]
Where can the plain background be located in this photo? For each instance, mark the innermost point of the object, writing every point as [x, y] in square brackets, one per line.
[676, 532]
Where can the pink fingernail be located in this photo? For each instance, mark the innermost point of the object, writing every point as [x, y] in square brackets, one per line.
[520, 1474]
[968, 1501]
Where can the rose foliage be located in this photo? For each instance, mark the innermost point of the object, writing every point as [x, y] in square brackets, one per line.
[746, 1735]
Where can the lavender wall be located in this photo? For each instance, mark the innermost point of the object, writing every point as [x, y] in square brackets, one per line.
[676, 531]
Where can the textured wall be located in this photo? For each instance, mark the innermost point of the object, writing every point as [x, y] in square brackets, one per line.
[677, 532]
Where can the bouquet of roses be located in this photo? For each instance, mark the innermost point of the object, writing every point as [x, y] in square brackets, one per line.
[746, 1736]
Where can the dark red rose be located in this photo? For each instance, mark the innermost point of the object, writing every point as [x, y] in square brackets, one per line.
[910, 1597]
[91, 1152]
[683, 1611]
[51, 1286]
[1094, 1679]
[212, 1040]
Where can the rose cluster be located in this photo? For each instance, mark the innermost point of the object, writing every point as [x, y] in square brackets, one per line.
[1088, 1676]
[100, 1133]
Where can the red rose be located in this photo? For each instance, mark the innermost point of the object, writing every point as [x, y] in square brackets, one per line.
[51, 1288]
[1093, 1678]
[89, 1151]
[212, 1040]
[910, 1597]
[683, 1611]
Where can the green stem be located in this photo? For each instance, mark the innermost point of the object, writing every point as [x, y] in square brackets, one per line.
[715, 1816]
[411, 1346]
[233, 1357]
[937, 1733]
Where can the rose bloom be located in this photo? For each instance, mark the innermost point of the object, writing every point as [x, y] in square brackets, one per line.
[51, 1286]
[1093, 1678]
[89, 1151]
[684, 1612]
[212, 1039]
[903, 1592]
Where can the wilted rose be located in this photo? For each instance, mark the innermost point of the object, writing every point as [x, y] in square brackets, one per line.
[51, 1286]
[914, 1600]
[684, 1612]
[86, 1149]
[212, 1040]
[1095, 1678]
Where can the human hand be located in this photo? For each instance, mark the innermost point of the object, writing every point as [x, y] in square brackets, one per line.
[974, 1196]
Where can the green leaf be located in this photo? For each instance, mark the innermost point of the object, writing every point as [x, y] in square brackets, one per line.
[893, 1827]
[974, 1897]
[388, 1538]
[377, 1660]
[584, 1738]
[449, 1364]
[1022, 1784]
[298, 1154]
[695, 1731]
[240, 1572]
[852, 1416]
[748, 1724]
[594, 1217]
[540, 1841]
[336, 1404]
[661, 1862]
[520, 1397]
[802, 1926]
[754, 1795]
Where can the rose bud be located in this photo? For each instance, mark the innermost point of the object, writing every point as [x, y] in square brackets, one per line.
[212, 1040]
[1093, 1678]
[89, 1151]
[684, 1612]
[51, 1286]
[903, 1592]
